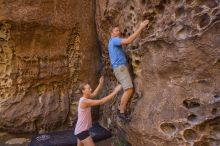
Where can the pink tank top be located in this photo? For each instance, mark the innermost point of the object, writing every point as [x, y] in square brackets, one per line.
[84, 121]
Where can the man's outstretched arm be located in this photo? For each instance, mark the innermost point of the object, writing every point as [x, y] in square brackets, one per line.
[98, 88]
[131, 38]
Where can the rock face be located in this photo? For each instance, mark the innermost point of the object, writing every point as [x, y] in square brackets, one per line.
[46, 50]
[176, 66]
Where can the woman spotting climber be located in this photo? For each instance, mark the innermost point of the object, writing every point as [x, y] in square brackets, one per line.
[84, 121]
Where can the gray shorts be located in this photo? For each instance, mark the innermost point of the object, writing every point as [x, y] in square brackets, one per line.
[123, 76]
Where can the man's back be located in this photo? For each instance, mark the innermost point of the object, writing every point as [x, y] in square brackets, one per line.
[116, 53]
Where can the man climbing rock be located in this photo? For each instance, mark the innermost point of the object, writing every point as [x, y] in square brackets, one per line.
[119, 64]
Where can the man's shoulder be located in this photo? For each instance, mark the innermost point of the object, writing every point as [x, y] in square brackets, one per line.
[115, 38]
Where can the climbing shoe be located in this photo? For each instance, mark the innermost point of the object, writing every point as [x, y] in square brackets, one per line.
[123, 116]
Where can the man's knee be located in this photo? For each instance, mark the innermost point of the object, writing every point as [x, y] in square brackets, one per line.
[130, 90]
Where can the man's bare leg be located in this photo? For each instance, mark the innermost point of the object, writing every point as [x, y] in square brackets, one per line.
[124, 99]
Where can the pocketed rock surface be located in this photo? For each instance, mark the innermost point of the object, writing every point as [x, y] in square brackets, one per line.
[176, 66]
[47, 49]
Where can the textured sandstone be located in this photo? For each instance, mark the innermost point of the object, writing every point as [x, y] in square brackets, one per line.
[176, 65]
[46, 50]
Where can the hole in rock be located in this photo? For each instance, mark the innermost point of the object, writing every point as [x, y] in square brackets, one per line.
[133, 47]
[192, 118]
[180, 12]
[214, 111]
[134, 20]
[216, 96]
[215, 12]
[143, 1]
[191, 103]
[217, 16]
[160, 8]
[203, 20]
[137, 62]
[129, 17]
[168, 128]
[151, 18]
[146, 16]
[190, 135]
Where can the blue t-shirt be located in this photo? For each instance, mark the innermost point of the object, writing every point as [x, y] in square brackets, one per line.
[116, 53]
